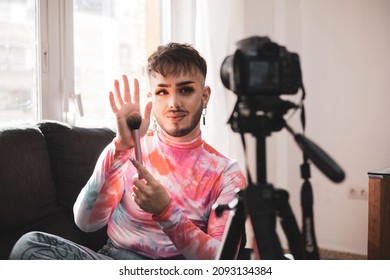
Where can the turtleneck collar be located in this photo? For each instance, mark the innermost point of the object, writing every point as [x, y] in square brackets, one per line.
[198, 141]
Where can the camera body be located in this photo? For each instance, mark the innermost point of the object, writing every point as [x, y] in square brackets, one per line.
[261, 67]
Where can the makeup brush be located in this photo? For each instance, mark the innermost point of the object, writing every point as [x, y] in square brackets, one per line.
[133, 121]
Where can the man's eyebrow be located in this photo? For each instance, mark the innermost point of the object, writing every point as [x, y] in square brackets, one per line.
[184, 83]
[178, 84]
[163, 85]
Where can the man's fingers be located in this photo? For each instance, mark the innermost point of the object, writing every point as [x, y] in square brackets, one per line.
[146, 121]
[143, 172]
[136, 190]
[148, 111]
[114, 108]
[126, 88]
[118, 96]
[136, 92]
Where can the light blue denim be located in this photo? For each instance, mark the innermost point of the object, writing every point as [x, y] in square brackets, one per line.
[44, 246]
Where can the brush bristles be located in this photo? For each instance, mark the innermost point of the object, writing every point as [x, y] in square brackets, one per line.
[134, 120]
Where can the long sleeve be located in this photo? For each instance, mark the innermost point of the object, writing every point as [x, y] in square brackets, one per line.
[103, 191]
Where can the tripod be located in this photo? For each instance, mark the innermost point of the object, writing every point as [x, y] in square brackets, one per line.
[263, 203]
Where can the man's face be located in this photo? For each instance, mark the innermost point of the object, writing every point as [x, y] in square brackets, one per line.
[178, 102]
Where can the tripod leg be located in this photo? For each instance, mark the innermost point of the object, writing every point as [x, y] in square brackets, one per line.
[235, 231]
[310, 249]
[260, 202]
[289, 224]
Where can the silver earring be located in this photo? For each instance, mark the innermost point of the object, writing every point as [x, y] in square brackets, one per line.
[204, 112]
[154, 123]
[154, 127]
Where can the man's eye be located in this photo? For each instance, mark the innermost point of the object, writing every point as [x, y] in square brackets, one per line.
[161, 92]
[186, 90]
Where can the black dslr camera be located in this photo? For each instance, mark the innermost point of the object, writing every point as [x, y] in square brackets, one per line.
[261, 67]
[258, 73]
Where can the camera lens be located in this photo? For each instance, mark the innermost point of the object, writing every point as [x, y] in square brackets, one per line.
[226, 68]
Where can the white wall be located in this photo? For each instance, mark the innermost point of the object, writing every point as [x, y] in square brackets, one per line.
[345, 57]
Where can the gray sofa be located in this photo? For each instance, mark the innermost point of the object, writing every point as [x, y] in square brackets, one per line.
[43, 167]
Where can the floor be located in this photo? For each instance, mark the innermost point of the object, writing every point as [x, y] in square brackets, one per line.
[335, 255]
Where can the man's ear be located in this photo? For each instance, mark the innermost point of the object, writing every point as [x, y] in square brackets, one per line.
[206, 95]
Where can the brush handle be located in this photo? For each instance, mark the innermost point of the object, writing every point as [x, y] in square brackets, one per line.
[137, 147]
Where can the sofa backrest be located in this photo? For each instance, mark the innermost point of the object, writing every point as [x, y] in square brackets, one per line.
[73, 153]
[27, 190]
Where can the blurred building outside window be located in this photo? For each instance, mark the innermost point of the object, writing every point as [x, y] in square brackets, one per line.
[18, 61]
[110, 38]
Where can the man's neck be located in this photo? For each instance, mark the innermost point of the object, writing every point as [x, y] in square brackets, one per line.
[182, 139]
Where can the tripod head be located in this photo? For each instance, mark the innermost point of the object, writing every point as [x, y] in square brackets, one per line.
[259, 115]
[265, 115]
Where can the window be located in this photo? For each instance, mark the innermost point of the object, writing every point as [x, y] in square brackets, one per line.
[111, 37]
[18, 61]
[58, 58]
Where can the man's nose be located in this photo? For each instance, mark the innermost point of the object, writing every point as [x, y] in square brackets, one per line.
[174, 101]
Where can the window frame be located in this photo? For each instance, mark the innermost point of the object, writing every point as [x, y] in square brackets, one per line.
[56, 71]
[55, 50]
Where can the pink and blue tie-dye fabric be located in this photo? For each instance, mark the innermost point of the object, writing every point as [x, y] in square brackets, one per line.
[195, 175]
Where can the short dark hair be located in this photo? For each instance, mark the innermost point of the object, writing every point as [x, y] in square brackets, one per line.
[175, 58]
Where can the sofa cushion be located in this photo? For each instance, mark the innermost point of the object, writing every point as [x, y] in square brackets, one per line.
[58, 224]
[73, 153]
[26, 184]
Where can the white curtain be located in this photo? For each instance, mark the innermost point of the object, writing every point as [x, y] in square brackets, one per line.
[219, 25]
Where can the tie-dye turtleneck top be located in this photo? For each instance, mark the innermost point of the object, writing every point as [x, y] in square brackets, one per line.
[195, 175]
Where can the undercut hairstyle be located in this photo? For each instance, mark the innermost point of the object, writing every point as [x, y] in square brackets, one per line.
[175, 59]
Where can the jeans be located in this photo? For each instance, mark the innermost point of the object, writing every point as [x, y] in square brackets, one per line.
[44, 246]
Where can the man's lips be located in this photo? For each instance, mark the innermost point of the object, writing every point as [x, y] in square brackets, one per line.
[176, 115]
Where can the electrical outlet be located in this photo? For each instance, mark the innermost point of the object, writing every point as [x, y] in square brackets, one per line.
[358, 193]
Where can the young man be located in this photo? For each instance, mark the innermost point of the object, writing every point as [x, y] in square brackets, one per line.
[161, 208]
